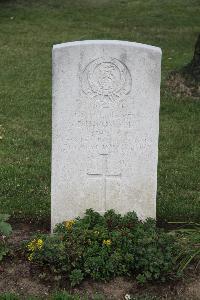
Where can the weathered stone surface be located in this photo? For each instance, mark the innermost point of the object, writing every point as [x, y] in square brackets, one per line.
[106, 98]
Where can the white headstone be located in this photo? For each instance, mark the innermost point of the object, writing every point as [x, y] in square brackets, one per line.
[106, 97]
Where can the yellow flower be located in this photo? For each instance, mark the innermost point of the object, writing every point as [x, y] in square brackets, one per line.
[35, 244]
[30, 257]
[107, 242]
[40, 244]
[32, 245]
[69, 224]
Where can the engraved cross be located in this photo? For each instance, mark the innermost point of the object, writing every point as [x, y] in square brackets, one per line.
[104, 175]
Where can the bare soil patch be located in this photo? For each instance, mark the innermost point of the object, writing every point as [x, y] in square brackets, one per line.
[17, 276]
[183, 85]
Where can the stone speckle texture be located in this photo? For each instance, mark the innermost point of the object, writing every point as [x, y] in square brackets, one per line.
[106, 97]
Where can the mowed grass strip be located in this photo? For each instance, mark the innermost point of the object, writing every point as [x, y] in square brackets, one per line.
[28, 31]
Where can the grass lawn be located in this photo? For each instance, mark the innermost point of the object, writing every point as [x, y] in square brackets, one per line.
[28, 30]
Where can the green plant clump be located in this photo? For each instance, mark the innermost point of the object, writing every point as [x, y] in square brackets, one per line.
[5, 231]
[189, 237]
[102, 247]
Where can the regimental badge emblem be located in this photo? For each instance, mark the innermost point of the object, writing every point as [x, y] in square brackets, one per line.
[106, 79]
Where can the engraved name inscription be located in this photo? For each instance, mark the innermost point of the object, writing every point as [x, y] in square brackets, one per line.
[106, 79]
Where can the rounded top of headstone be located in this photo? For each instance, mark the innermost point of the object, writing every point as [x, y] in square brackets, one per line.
[108, 42]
